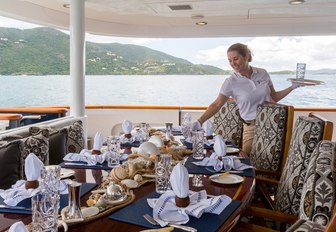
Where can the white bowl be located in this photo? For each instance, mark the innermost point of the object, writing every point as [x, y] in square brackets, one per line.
[156, 140]
[148, 148]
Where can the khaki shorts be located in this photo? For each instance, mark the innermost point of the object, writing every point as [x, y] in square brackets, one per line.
[248, 135]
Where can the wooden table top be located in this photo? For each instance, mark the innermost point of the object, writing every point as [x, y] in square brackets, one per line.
[242, 192]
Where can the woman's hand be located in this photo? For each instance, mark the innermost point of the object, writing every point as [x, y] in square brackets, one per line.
[299, 84]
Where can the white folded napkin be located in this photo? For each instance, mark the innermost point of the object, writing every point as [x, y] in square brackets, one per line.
[18, 227]
[127, 126]
[219, 146]
[219, 161]
[165, 210]
[179, 180]
[98, 141]
[208, 128]
[33, 167]
[18, 191]
[86, 156]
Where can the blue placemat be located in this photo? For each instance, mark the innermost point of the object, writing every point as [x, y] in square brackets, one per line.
[26, 203]
[194, 169]
[134, 144]
[134, 212]
[102, 166]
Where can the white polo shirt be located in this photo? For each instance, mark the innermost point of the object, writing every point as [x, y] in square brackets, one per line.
[248, 93]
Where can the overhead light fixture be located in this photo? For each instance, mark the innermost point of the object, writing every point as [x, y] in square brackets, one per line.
[199, 16]
[296, 2]
[201, 23]
[66, 5]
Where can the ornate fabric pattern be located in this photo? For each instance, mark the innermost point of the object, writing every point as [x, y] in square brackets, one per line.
[319, 190]
[269, 138]
[75, 141]
[305, 226]
[228, 123]
[306, 135]
[37, 143]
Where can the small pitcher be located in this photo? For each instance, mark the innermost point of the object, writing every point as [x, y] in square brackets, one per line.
[74, 210]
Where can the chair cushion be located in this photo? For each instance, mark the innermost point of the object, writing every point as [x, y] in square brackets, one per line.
[319, 189]
[57, 143]
[75, 140]
[10, 163]
[268, 143]
[306, 135]
[228, 123]
[305, 226]
[37, 143]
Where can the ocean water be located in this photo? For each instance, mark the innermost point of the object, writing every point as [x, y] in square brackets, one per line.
[178, 90]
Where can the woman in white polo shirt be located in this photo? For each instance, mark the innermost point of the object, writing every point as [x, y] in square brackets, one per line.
[249, 86]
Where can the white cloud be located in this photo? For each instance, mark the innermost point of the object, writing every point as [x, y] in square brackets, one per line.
[7, 22]
[281, 53]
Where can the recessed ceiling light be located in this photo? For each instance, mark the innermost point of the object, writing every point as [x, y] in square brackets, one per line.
[201, 23]
[197, 16]
[66, 5]
[296, 2]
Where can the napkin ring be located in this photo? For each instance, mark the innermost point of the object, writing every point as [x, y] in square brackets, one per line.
[31, 184]
[95, 152]
[182, 202]
[128, 136]
[208, 137]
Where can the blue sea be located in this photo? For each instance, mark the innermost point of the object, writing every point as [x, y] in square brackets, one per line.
[178, 90]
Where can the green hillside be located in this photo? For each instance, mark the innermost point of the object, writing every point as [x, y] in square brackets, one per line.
[45, 51]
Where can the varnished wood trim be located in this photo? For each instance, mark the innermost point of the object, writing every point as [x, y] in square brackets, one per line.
[328, 126]
[10, 116]
[50, 110]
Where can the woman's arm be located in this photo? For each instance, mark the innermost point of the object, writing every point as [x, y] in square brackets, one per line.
[213, 108]
[277, 96]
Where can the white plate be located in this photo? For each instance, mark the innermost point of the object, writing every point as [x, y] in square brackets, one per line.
[226, 178]
[65, 173]
[232, 149]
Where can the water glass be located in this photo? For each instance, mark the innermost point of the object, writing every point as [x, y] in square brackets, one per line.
[300, 70]
[113, 146]
[51, 178]
[197, 138]
[44, 212]
[144, 132]
[163, 168]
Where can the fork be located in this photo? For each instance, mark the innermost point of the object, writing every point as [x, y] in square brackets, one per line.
[151, 220]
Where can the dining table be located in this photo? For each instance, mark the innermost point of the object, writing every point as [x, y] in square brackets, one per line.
[241, 193]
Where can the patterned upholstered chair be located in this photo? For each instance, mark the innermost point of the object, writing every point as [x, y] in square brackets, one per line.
[307, 133]
[228, 123]
[318, 194]
[274, 124]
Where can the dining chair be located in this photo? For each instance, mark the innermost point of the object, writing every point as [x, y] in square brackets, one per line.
[228, 123]
[317, 196]
[307, 132]
[274, 124]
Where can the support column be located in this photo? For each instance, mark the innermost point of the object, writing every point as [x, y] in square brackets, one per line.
[77, 58]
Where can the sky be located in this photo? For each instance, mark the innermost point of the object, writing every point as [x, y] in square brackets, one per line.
[271, 53]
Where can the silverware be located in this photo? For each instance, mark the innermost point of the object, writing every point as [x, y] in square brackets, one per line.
[151, 220]
[3, 206]
[81, 164]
